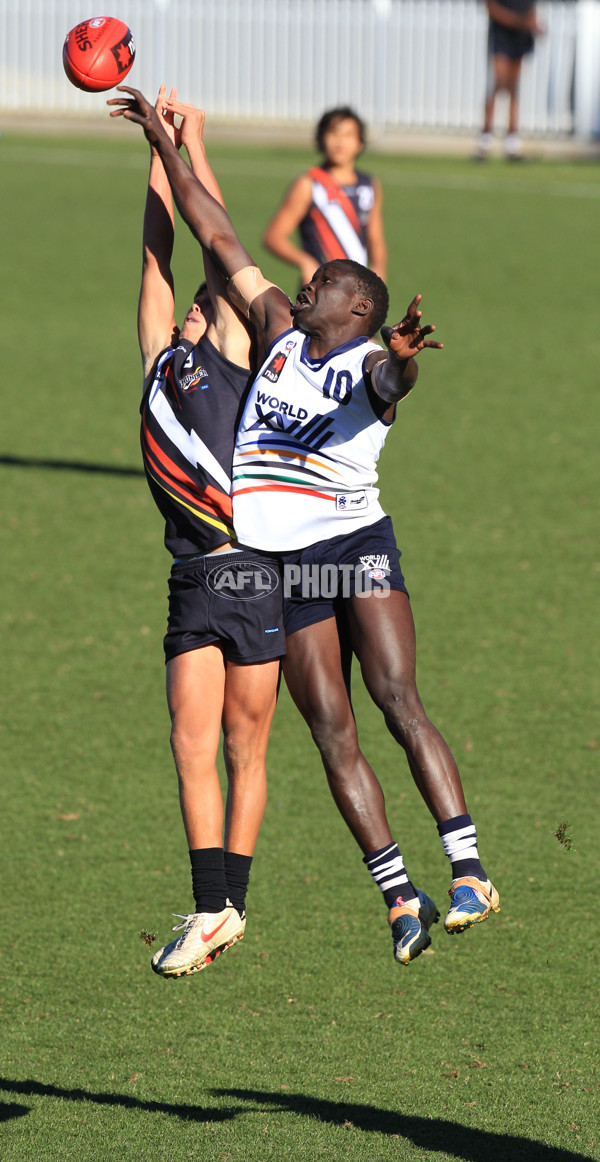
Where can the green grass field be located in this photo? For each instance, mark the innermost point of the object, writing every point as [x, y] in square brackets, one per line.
[306, 1041]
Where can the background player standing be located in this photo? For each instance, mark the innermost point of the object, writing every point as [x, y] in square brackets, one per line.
[222, 655]
[336, 208]
[512, 28]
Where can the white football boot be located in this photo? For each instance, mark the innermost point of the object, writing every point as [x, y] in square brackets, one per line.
[205, 935]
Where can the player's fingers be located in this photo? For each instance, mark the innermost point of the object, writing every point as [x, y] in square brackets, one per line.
[129, 114]
[413, 306]
[183, 109]
[179, 107]
[172, 103]
[434, 346]
[164, 110]
[411, 325]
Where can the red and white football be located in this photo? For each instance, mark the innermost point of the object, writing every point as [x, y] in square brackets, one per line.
[98, 53]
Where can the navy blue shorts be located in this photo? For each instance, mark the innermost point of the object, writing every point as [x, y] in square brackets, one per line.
[232, 600]
[318, 579]
[513, 43]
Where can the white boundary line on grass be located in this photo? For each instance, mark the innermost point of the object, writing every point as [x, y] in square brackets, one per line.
[474, 183]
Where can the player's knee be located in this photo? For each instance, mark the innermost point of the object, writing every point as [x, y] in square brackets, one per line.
[401, 708]
[240, 751]
[187, 743]
[335, 736]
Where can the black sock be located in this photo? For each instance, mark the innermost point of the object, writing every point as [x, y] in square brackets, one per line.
[208, 879]
[237, 874]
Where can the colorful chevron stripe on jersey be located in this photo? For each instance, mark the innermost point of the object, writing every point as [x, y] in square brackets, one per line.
[189, 415]
[305, 460]
[335, 226]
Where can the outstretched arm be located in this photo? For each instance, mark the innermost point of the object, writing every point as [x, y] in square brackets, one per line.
[156, 319]
[395, 374]
[207, 220]
[227, 332]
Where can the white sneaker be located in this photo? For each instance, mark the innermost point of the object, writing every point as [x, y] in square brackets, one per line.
[485, 144]
[513, 147]
[205, 935]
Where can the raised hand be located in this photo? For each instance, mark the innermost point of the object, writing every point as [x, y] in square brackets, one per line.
[166, 115]
[408, 337]
[192, 125]
[137, 108]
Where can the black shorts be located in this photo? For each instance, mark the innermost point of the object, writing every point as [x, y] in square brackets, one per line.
[232, 600]
[319, 578]
[514, 43]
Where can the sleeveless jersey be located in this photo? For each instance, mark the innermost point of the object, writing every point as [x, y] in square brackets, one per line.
[336, 223]
[305, 459]
[189, 416]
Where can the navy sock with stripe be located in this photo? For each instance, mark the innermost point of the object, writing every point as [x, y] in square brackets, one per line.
[387, 869]
[459, 839]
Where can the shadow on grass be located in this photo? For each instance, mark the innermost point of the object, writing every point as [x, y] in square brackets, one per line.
[428, 1134]
[68, 466]
[11, 1110]
[187, 1113]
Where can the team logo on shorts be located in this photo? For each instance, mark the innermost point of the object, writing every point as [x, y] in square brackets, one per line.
[376, 565]
[248, 581]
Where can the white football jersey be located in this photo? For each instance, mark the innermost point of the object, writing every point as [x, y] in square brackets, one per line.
[305, 459]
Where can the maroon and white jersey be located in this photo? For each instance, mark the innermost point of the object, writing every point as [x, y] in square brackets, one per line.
[336, 223]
